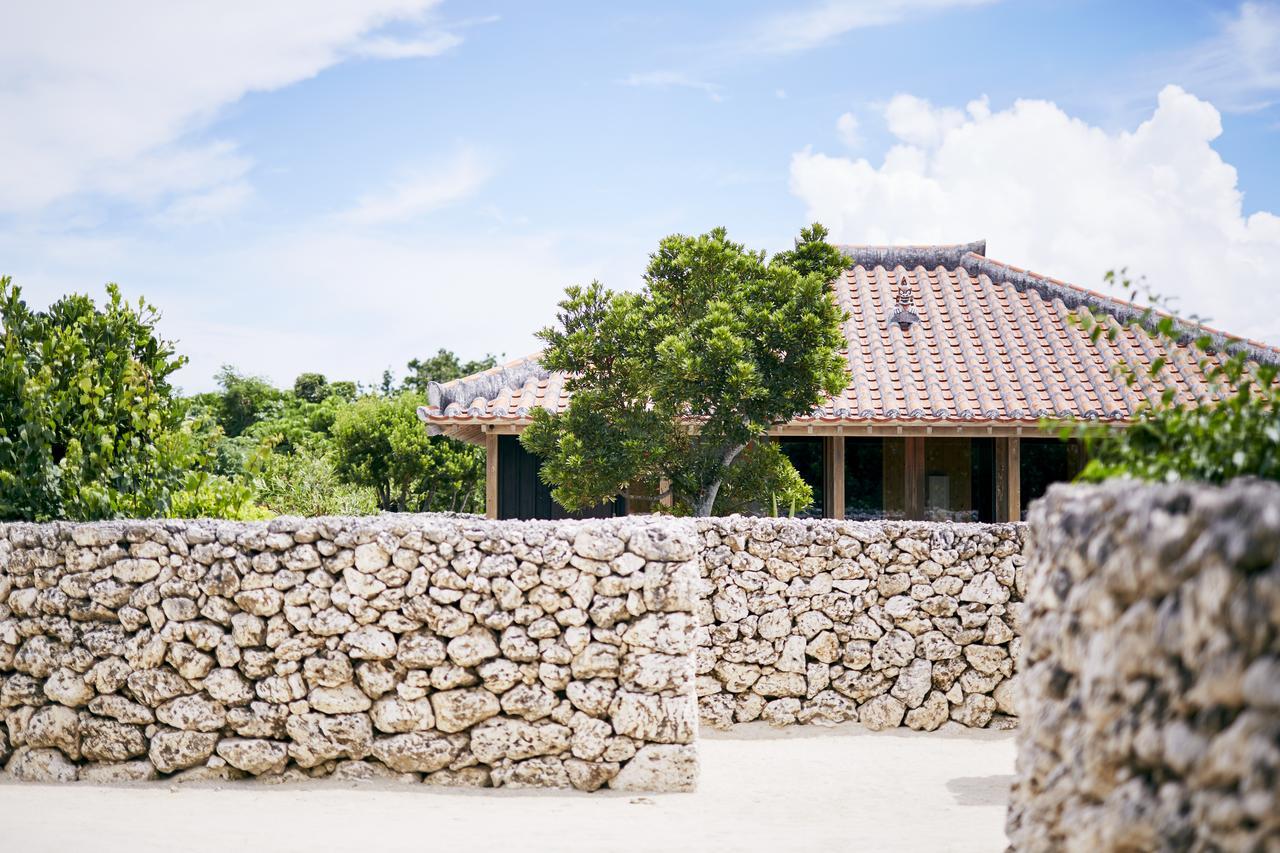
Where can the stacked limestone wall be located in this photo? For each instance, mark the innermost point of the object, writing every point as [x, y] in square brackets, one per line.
[452, 650]
[1150, 714]
[889, 623]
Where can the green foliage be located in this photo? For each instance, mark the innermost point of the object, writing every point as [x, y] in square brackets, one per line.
[673, 383]
[87, 414]
[813, 255]
[311, 387]
[1232, 429]
[379, 443]
[307, 483]
[243, 400]
[442, 367]
[762, 469]
[345, 391]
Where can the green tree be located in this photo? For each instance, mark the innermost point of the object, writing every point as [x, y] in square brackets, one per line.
[88, 417]
[343, 390]
[312, 387]
[673, 383]
[243, 399]
[379, 443]
[1230, 429]
[442, 367]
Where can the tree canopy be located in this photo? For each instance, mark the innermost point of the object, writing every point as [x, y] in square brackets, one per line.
[90, 425]
[670, 385]
[380, 443]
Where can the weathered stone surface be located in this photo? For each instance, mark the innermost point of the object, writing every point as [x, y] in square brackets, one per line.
[542, 772]
[415, 752]
[344, 699]
[109, 740]
[813, 619]
[881, 712]
[254, 755]
[176, 750]
[40, 765]
[394, 715]
[1147, 687]
[456, 710]
[659, 768]
[118, 772]
[55, 726]
[475, 652]
[193, 713]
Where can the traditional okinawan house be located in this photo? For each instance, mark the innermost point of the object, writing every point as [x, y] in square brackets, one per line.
[954, 361]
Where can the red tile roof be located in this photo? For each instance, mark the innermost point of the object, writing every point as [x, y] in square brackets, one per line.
[993, 344]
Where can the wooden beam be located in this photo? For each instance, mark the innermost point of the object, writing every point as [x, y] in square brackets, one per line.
[666, 500]
[834, 458]
[491, 474]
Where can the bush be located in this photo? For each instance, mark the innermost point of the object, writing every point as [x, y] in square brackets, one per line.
[89, 423]
[379, 443]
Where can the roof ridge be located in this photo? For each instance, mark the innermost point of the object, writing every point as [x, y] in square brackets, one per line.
[1074, 295]
[487, 383]
[910, 257]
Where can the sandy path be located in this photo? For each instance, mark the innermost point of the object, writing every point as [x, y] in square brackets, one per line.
[803, 789]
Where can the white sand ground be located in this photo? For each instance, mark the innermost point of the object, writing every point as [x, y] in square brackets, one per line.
[806, 788]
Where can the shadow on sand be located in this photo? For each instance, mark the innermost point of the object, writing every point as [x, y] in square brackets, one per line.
[981, 790]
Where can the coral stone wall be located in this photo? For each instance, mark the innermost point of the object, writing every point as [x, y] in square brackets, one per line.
[889, 623]
[454, 650]
[1150, 706]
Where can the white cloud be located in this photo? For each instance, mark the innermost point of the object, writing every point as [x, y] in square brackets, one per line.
[1239, 67]
[1056, 195]
[348, 304]
[211, 204]
[103, 97]
[847, 129]
[422, 191]
[676, 79]
[823, 22]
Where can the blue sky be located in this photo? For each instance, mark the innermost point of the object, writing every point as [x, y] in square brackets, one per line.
[343, 186]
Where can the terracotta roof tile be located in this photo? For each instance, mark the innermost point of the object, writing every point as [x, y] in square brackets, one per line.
[994, 343]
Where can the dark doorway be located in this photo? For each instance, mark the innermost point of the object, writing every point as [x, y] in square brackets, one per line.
[808, 455]
[1042, 462]
[521, 494]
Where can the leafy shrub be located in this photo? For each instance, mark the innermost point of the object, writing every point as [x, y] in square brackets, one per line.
[379, 443]
[89, 423]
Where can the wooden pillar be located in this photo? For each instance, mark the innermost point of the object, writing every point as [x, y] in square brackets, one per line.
[1002, 479]
[1009, 479]
[491, 474]
[915, 477]
[666, 500]
[833, 499]
[1076, 457]
[1014, 463]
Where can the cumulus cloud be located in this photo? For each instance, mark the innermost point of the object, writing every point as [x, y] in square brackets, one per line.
[1057, 195]
[105, 97]
[847, 129]
[421, 191]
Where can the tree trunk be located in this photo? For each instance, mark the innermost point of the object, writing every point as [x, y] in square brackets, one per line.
[706, 499]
